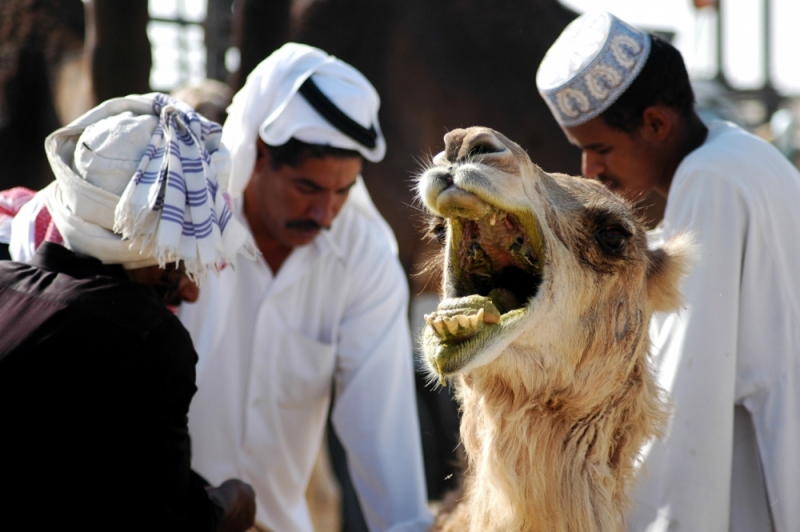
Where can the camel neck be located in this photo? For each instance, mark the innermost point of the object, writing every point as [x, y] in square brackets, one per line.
[540, 465]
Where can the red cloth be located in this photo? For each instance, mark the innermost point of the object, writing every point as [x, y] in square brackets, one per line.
[13, 199]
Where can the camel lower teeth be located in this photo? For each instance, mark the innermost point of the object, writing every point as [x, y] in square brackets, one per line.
[458, 326]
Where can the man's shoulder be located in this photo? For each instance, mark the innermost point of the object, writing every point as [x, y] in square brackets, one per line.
[733, 156]
[111, 301]
[727, 144]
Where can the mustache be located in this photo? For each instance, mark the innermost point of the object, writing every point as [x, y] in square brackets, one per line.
[305, 225]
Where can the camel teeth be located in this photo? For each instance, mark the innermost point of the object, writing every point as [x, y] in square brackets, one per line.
[452, 325]
[438, 326]
[429, 319]
[473, 320]
[493, 218]
[463, 321]
[480, 314]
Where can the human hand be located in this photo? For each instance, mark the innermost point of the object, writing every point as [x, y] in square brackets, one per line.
[238, 502]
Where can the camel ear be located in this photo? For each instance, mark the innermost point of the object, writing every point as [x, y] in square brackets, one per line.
[669, 264]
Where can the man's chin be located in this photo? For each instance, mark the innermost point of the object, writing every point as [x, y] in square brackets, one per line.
[302, 237]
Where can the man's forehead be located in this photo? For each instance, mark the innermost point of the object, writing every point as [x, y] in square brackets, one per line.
[323, 184]
[591, 134]
[328, 172]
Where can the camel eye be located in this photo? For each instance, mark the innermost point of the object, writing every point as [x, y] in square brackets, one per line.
[612, 239]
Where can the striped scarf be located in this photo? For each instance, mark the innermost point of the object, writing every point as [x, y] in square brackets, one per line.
[172, 209]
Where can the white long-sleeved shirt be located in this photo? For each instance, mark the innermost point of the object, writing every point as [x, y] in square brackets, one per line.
[730, 359]
[271, 346]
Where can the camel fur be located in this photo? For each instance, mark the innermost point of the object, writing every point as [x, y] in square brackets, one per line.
[548, 291]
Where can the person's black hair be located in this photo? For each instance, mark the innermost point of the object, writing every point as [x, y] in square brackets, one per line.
[662, 80]
[296, 152]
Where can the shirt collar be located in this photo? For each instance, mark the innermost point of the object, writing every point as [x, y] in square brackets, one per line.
[326, 242]
[54, 257]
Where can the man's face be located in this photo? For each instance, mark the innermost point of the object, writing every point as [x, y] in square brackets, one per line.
[292, 204]
[171, 283]
[627, 163]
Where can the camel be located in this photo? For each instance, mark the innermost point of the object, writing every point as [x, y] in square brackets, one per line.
[548, 290]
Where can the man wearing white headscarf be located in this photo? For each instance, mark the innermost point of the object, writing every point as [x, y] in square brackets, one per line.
[322, 313]
[96, 373]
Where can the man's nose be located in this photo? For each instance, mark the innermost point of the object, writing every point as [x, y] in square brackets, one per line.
[323, 210]
[592, 164]
[187, 290]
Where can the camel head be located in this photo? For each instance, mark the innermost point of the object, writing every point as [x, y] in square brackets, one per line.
[548, 281]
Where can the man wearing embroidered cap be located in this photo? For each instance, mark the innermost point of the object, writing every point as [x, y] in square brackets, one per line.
[321, 314]
[729, 358]
[96, 373]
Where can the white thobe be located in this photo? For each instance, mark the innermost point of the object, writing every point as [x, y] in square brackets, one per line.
[730, 359]
[271, 346]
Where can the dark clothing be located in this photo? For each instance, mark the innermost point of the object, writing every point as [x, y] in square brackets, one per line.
[96, 377]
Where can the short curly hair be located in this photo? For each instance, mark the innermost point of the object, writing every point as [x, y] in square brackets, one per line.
[295, 152]
[663, 80]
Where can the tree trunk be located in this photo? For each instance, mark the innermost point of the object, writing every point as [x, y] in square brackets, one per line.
[259, 27]
[117, 48]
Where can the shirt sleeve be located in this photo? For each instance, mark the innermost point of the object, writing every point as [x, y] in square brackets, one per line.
[686, 477]
[178, 500]
[375, 411]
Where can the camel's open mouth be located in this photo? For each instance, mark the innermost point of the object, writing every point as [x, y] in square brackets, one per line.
[495, 270]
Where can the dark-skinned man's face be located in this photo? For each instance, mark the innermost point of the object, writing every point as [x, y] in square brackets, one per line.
[292, 204]
[171, 283]
[623, 161]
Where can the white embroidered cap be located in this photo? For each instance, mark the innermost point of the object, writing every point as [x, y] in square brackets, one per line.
[593, 61]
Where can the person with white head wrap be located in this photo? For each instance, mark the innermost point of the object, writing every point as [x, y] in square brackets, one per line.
[729, 358]
[138, 183]
[325, 317]
[89, 351]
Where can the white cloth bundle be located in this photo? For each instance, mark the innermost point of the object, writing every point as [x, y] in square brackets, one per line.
[137, 183]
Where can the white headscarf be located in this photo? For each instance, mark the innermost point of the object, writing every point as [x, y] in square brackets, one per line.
[137, 183]
[270, 107]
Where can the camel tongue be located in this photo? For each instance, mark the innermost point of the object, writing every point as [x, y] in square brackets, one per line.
[504, 299]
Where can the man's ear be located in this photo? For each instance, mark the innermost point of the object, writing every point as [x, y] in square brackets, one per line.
[262, 151]
[657, 122]
[667, 267]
